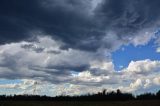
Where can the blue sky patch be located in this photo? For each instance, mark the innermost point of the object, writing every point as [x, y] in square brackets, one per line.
[123, 56]
[7, 81]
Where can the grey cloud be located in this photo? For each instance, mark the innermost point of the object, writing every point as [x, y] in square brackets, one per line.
[127, 17]
[20, 18]
[66, 21]
[33, 48]
[54, 52]
[111, 24]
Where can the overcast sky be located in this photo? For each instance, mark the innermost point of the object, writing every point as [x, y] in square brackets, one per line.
[74, 47]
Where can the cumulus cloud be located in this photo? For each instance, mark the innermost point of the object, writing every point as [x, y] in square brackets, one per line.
[24, 59]
[157, 80]
[86, 76]
[148, 83]
[143, 66]
[77, 68]
[136, 84]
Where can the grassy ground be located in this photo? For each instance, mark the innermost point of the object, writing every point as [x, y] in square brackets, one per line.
[94, 103]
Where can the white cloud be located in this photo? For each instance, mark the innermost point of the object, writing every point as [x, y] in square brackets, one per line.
[143, 37]
[102, 65]
[158, 50]
[156, 80]
[136, 84]
[143, 66]
[86, 76]
[21, 87]
[44, 60]
[148, 83]
[6, 86]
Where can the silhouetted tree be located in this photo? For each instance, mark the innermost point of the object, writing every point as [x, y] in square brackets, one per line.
[100, 96]
[146, 96]
[158, 94]
[118, 91]
[104, 92]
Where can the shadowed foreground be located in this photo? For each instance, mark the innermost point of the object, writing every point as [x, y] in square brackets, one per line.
[82, 103]
[100, 99]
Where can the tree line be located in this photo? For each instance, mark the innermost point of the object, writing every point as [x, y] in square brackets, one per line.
[100, 96]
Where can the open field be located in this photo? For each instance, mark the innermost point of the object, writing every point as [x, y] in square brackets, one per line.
[82, 103]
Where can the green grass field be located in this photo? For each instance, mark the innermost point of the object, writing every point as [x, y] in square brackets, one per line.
[81, 103]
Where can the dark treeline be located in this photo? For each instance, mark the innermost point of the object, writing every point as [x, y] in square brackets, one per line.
[101, 96]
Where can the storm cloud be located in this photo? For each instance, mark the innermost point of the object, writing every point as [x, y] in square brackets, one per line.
[79, 24]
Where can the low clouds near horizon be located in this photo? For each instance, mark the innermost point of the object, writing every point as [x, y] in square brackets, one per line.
[69, 43]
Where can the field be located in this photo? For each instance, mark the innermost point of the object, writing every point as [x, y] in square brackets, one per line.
[82, 103]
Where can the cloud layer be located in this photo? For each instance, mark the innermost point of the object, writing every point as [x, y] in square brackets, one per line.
[45, 62]
[99, 24]
[68, 43]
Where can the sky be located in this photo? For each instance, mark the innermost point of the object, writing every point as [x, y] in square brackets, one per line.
[125, 54]
[71, 47]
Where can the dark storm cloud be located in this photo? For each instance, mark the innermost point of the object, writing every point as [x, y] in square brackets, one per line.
[70, 68]
[127, 15]
[71, 22]
[20, 17]
[32, 47]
